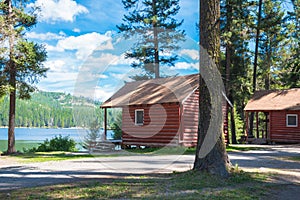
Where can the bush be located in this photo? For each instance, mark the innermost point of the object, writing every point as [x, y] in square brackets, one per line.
[116, 127]
[58, 143]
[117, 131]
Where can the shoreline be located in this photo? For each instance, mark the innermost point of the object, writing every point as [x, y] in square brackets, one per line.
[81, 128]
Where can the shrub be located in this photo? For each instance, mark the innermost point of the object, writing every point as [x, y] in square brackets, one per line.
[116, 127]
[58, 143]
[117, 131]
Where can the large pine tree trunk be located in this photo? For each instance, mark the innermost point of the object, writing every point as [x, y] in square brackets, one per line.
[210, 156]
[12, 81]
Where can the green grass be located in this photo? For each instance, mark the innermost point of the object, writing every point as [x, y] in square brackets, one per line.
[54, 156]
[187, 151]
[20, 145]
[187, 185]
[231, 148]
[163, 151]
[57, 156]
[294, 158]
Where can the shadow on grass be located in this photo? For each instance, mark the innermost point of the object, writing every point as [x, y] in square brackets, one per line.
[186, 185]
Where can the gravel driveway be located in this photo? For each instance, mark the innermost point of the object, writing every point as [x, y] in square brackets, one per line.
[16, 175]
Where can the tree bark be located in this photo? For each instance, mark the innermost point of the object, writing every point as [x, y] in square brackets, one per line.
[12, 82]
[216, 160]
[250, 133]
[229, 52]
[232, 124]
[155, 34]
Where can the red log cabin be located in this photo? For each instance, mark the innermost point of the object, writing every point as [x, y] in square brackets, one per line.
[277, 114]
[159, 112]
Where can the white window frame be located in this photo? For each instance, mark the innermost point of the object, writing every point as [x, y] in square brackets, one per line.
[135, 117]
[287, 122]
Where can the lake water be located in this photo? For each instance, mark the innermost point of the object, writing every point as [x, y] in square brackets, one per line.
[31, 137]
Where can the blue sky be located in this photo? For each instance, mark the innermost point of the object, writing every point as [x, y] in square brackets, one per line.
[85, 52]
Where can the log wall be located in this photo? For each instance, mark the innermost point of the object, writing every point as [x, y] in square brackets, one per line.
[279, 132]
[190, 120]
[160, 128]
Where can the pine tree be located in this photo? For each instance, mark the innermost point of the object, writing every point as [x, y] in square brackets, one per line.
[235, 35]
[93, 135]
[271, 43]
[153, 24]
[216, 160]
[290, 75]
[21, 60]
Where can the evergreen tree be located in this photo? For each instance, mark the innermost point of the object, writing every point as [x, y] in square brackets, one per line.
[235, 35]
[271, 43]
[290, 74]
[21, 60]
[153, 23]
[93, 135]
[216, 160]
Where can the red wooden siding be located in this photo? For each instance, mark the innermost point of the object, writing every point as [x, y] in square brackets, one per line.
[190, 120]
[161, 129]
[279, 132]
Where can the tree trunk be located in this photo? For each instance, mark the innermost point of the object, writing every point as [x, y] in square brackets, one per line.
[250, 133]
[227, 83]
[12, 82]
[155, 35]
[232, 124]
[211, 156]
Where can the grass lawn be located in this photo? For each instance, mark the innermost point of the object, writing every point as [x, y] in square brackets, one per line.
[184, 150]
[187, 185]
[231, 148]
[55, 156]
[58, 156]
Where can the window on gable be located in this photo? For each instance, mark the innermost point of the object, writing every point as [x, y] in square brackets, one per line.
[139, 117]
[292, 120]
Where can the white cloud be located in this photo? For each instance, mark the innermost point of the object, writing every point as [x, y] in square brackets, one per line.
[59, 10]
[102, 93]
[99, 63]
[86, 44]
[193, 54]
[59, 82]
[55, 65]
[45, 36]
[76, 30]
[121, 60]
[123, 77]
[102, 76]
[185, 65]
[53, 48]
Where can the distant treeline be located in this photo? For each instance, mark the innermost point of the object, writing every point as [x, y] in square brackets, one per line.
[53, 109]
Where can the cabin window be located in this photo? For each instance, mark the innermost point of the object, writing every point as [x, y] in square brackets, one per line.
[139, 117]
[292, 120]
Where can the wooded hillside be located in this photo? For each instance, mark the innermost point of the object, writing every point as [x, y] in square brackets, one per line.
[53, 109]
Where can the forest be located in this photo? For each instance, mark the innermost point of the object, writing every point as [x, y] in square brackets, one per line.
[256, 45]
[260, 48]
[55, 110]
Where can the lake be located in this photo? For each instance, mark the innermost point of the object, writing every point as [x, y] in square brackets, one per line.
[31, 137]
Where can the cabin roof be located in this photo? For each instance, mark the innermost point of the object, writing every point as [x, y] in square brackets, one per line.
[267, 100]
[154, 91]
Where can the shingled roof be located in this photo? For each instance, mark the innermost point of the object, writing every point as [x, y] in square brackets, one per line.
[154, 91]
[267, 100]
